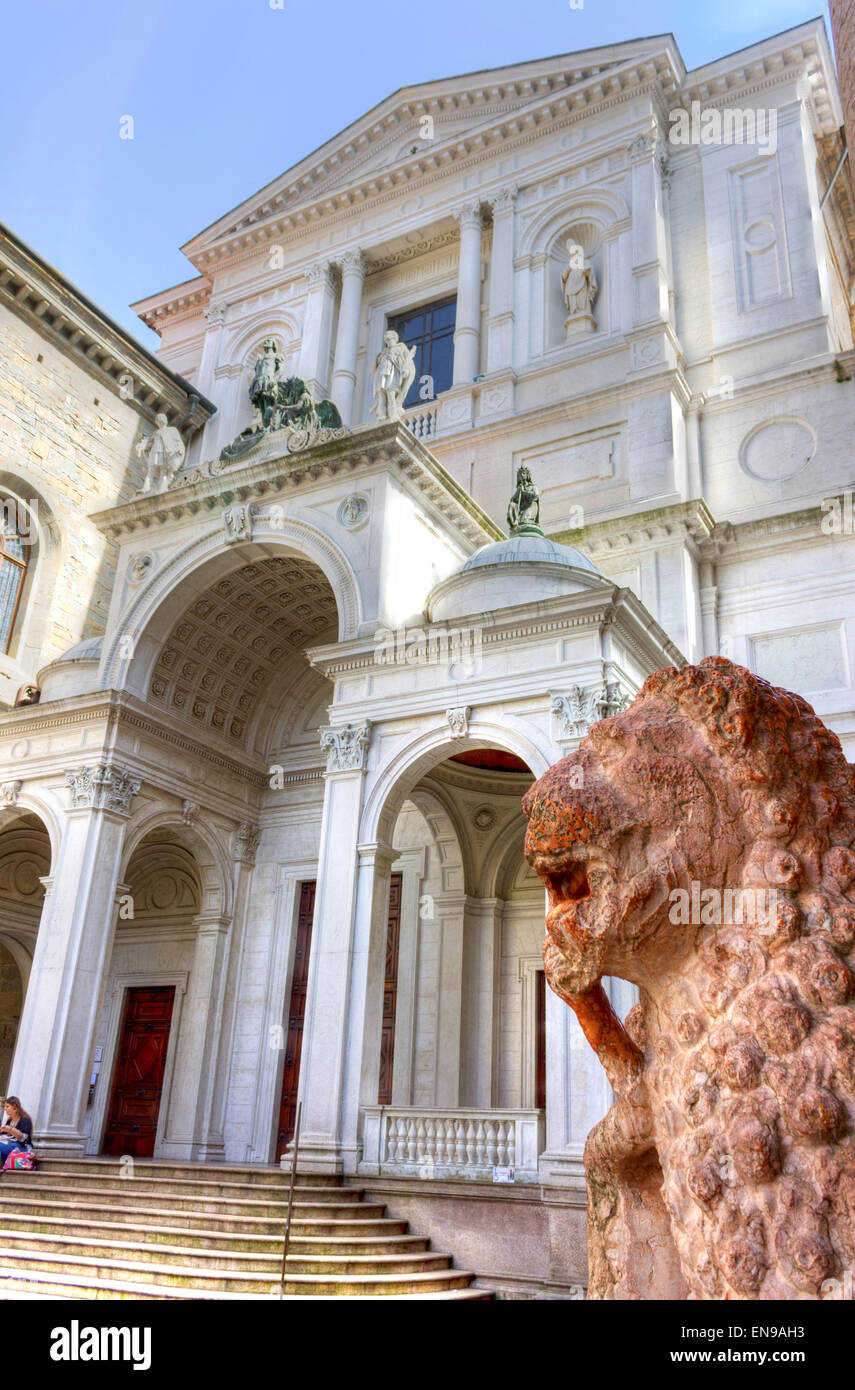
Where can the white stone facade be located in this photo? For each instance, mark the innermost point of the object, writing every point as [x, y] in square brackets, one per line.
[296, 647]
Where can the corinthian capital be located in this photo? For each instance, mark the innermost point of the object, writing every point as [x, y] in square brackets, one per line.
[505, 199]
[468, 214]
[104, 787]
[347, 746]
[215, 314]
[319, 274]
[352, 262]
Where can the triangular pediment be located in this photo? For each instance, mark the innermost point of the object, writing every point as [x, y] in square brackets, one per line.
[429, 120]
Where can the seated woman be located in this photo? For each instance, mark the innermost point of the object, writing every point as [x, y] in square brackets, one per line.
[17, 1132]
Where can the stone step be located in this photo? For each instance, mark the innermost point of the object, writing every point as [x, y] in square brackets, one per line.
[83, 1227]
[256, 1174]
[145, 1181]
[359, 1220]
[199, 1202]
[78, 1229]
[236, 1282]
[58, 1286]
[22, 1244]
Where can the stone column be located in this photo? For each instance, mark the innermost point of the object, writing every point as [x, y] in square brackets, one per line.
[201, 1023]
[331, 1008]
[215, 318]
[317, 329]
[449, 1042]
[56, 1036]
[467, 332]
[577, 1095]
[482, 949]
[214, 1097]
[709, 609]
[649, 237]
[500, 332]
[207, 381]
[347, 337]
[362, 1068]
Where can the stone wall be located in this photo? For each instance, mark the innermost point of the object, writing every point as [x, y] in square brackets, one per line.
[65, 441]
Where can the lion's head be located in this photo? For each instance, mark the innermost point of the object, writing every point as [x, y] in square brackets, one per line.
[700, 845]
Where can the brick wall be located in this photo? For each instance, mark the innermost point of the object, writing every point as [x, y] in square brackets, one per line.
[843, 24]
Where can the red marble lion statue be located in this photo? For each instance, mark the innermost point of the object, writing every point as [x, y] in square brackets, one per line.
[700, 845]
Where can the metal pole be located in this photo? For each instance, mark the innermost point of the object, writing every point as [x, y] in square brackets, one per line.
[840, 161]
[287, 1240]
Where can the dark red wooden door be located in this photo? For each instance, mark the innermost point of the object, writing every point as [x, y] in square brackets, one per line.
[138, 1082]
[296, 1017]
[390, 992]
[540, 1041]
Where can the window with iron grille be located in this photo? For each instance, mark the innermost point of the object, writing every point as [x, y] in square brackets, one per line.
[430, 329]
[14, 554]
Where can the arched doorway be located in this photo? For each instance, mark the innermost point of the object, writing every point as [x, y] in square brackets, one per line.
[156, 1039]
[25, 865]
[469, 1076]
[219, 656]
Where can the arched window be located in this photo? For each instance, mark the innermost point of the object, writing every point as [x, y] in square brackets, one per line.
[14, 555]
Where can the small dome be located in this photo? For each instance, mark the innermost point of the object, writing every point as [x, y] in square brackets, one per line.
[526, 550]
[73, 672]
[503, 574]
[87, 650]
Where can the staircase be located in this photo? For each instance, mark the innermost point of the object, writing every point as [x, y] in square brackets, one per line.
[75, 1228]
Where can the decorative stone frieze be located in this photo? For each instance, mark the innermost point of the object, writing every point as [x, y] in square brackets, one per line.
[458, 720]
[104, 787]
[346, 747]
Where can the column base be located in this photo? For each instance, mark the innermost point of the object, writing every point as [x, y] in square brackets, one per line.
[563, 1168]
[212, 1152]
[60, 1145]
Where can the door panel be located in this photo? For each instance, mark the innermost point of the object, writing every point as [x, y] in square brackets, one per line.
[138, 1082]
[296, 1017]
[390, 992]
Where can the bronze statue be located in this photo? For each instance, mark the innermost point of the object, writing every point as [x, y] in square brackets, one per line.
[524, 506]
[280, 403]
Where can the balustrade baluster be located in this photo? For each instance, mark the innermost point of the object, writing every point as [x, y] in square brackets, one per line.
[480, 1146]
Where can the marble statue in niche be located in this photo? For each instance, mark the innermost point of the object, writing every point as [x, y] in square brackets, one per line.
[579, 287]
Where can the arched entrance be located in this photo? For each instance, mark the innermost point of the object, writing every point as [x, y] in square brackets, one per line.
[25, 865]
[469, 1076]
[156, 1037]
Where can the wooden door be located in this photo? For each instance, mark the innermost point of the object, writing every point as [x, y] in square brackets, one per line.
[390, 992]
[296, 1017]
[540, 1041]
[138, 1081]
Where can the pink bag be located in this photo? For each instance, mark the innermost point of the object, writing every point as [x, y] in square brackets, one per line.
[19, 1161]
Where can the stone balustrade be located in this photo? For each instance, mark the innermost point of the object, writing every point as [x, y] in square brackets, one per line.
[421, 420]
[414, 1141]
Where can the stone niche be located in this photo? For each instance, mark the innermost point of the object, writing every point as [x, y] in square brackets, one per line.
[556, 333]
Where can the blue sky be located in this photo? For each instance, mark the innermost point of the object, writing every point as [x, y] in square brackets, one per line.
[226, 94]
